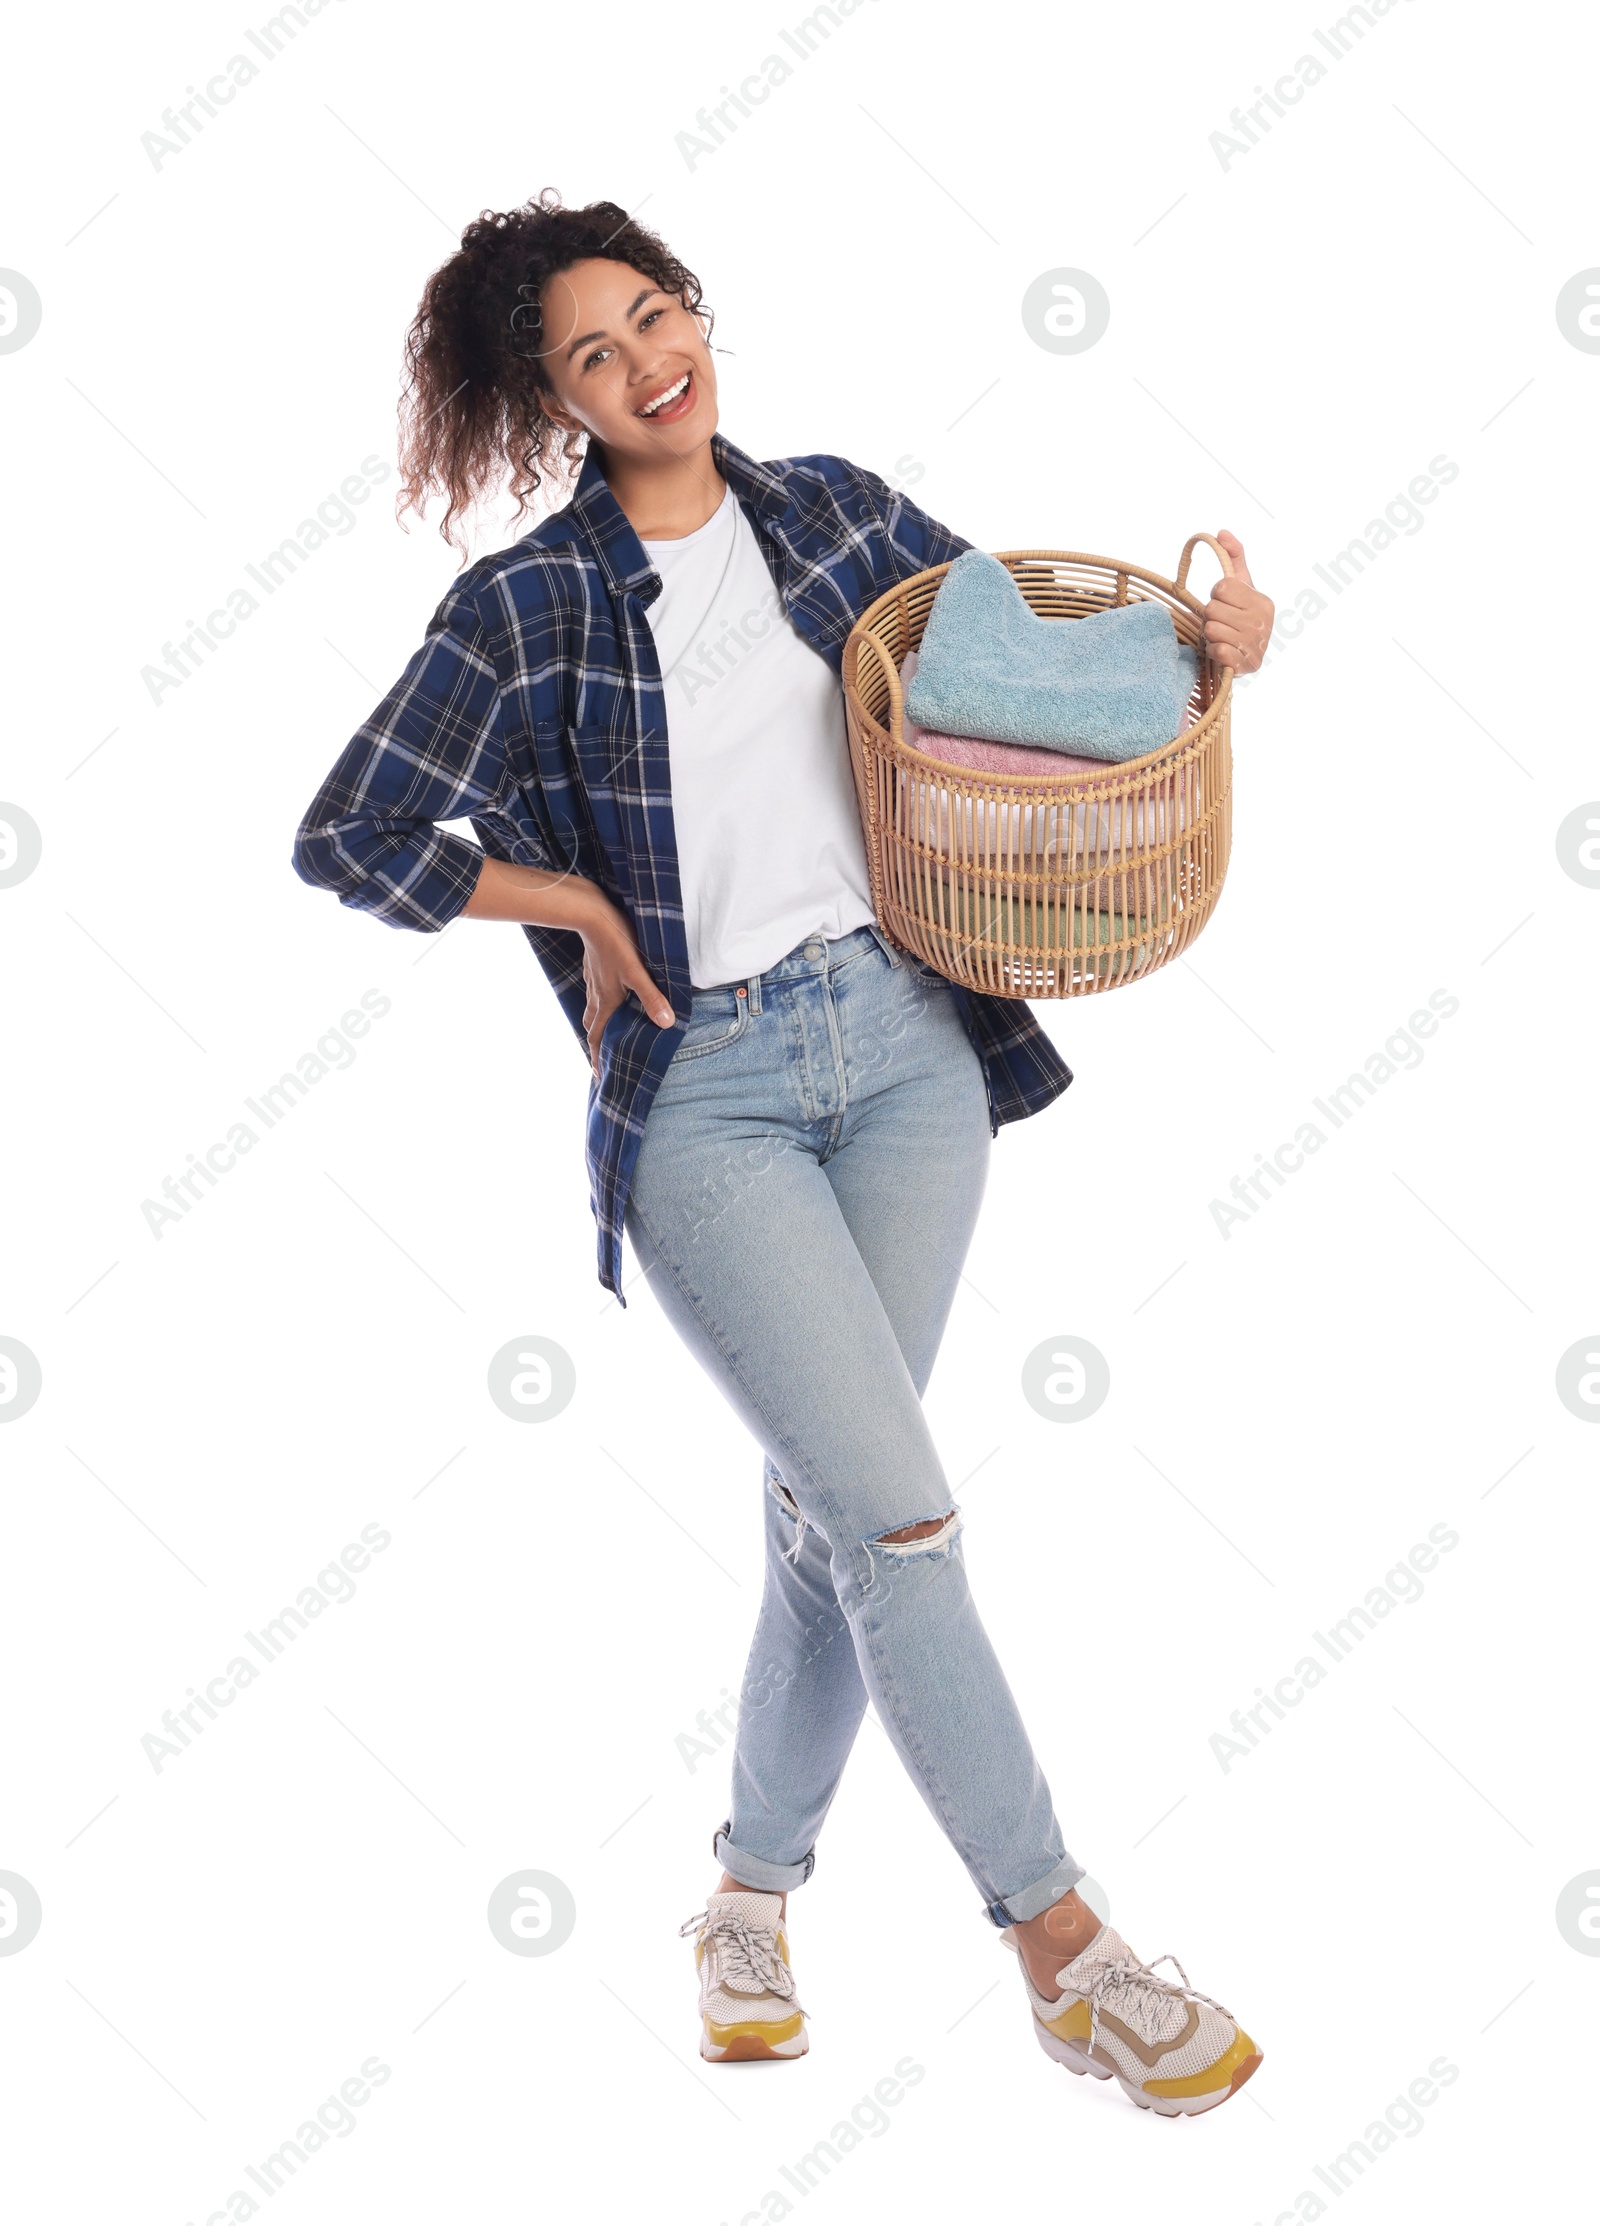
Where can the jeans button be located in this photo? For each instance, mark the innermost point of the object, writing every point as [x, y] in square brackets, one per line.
[813, 950]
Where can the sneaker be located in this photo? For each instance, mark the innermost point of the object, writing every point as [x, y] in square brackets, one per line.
[748, 2006]
[1170, 2049]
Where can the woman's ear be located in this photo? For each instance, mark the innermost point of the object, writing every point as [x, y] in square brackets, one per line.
[557, 415]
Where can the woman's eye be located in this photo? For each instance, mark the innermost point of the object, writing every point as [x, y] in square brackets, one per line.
[649, 318]
[598, 356]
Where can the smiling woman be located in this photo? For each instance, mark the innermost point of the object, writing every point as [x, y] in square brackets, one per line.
[691, 872]
[487, 348]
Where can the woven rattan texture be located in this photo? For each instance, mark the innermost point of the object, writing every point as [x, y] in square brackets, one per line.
[1048, 886]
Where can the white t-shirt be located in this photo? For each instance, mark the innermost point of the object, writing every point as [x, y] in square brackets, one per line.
[769, 837]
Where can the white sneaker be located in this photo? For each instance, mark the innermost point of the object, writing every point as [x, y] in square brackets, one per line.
[1169, 2049]
[748, 2005]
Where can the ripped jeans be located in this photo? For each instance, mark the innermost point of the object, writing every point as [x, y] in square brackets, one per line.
[806, 1187]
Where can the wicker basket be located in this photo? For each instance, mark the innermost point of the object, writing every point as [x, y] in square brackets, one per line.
[1028, 886]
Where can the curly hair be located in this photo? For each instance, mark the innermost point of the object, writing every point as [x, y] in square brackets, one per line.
[474, 404]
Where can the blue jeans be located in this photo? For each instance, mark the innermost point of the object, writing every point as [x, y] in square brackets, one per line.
[805, 1191]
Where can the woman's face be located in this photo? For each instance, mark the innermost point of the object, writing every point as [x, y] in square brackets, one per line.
[627, 362]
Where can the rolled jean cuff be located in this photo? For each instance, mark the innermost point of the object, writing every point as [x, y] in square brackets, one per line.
[1033, 1901]
[755, 1872]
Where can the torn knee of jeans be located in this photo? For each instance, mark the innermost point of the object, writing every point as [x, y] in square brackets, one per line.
[934, 1534]
[785, 1498]
[789, 1506]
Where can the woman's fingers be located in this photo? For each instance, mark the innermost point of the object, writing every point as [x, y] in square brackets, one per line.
[604, 1002]
[635, 978]
[1229, 643]
[1237, 594]
[1238, 618]
[1235, 549]
[596, 1012]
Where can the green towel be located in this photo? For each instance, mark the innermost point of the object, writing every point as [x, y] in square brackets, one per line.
[1018, 920]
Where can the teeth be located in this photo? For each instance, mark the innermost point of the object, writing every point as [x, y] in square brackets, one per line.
[661, 400]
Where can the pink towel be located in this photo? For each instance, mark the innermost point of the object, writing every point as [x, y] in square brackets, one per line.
[1000, 757]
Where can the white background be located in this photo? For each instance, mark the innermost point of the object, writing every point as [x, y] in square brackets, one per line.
[1292, 339]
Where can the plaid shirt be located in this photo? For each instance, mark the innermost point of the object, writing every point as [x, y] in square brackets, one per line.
[534, 709]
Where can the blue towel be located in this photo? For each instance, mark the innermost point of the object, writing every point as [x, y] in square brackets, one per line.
[1112, 685]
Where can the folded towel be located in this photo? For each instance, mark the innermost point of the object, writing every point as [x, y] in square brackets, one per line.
[999, 757]
[977, 921]
[1076, 839]
[1110, 686]
[1083, 836]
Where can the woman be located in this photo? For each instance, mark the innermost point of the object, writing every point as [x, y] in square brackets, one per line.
[638, 707]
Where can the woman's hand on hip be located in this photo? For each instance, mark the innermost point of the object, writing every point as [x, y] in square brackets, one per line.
[1238, 616]
[611, 968]
[539, 897]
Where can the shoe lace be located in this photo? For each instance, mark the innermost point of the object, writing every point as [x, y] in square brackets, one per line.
[1131, 1991]
[747, 1958]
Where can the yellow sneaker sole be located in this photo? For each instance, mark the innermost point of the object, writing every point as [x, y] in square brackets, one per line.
[753, 2044]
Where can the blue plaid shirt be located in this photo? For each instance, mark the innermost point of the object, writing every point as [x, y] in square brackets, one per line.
[534, 709]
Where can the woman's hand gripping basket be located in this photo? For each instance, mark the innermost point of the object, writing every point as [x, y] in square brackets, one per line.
[1047, 885]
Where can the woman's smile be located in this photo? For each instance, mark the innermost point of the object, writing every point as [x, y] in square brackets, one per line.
[670, 402]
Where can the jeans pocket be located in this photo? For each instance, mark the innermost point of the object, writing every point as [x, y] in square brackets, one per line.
[725, 1019]
[921, 971]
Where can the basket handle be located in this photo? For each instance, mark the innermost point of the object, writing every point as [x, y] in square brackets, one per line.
[1211, 542]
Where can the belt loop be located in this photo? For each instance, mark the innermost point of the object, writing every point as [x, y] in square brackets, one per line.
[753, 990]
[889, 951]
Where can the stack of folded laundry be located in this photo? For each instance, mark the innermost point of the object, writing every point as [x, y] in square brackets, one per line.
[996, 689]
[1100, 689]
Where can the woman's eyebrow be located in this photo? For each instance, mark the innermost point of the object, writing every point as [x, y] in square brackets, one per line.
[584, 341]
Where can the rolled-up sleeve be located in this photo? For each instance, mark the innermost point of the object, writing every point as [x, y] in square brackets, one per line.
[432, 750]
